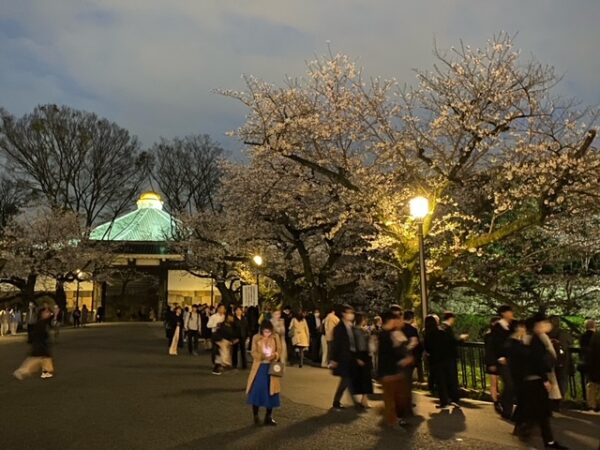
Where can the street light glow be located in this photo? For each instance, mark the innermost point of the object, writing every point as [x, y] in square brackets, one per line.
[258, 260]
[419, 207]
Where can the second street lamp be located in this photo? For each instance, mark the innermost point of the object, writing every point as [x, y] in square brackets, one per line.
[258, 262]
[419, 208]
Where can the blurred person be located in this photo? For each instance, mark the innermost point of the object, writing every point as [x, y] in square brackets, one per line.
[31, 318]
[564, 367]
[192, 326]
[214, 321]
[375, 329]
[534, 408]
[84, 315]
[300, 336]
[440, 347]
[450, 368]
[394, 357]
[224, 337]
[500, 334]
[280, 330]
[314, 322]
[343, 351]
[362, 383]
[491, 364]
[4, 322]
[241, 329]
[331, 321]
[76, 316]
[176, 325]
[252, 315]
[414, 344]
[262, 388]
[592, 367]
[287, 316]
[40, 356]
[15, 320]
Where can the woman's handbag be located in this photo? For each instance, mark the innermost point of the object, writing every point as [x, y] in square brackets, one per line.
[276, 369]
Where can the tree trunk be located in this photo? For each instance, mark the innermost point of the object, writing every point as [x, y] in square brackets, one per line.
[227, 295]
[28, 291]
[60, 297]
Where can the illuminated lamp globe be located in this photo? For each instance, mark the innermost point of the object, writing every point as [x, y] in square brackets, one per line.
[258, 260]
[419, 208]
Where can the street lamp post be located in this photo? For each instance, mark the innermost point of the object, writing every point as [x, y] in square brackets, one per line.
[258, 262]
[419, 208]
[78, 278]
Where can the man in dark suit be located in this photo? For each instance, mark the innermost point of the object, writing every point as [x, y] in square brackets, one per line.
[342, 353]
[450, 370]
[500, 334]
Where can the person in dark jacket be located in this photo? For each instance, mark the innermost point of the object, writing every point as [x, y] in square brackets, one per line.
[252, 315]
[534, 407]
[592, 363]
[241, 330]
[40, 356]
[394, 357]
[440, 347]
[449, 368]
[362, 382]
[564, 367]
[315, 328]
[491, 364]
[343, 350]
[499, 335]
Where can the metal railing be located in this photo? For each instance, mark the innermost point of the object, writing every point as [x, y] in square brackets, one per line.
[472, 375]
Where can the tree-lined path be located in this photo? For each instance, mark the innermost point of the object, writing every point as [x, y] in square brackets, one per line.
[116, 388]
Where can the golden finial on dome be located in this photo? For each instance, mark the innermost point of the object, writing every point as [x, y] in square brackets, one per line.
[150, 200]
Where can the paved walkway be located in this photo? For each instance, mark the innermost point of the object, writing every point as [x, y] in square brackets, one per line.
[116, 388]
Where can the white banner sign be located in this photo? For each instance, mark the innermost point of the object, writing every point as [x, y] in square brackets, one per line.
[250, 295]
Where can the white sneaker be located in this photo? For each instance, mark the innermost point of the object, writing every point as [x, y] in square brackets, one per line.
[47, 375]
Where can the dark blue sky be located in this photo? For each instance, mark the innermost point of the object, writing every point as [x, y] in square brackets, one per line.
[151, 65]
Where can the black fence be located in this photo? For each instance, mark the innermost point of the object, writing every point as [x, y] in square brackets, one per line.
[473, 377]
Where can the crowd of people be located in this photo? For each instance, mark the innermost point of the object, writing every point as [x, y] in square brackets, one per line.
[528, 361]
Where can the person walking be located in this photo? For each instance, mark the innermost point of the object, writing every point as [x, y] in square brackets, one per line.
[84, 315]
[176, 325]
[192, 329]
[4, 322]
[534, 407]
[450, 369]
[491, 364]
[316, 330]
[500, 334]
[263, 388]
[31, 318]
[300, 336]
[279, 329]
[329, 324]
[362, 383]
[393, 357]
[241, 331]
[343, 351]
[214, 321]
[441, 358]
[564, 367]
[15, 320]
[76, 315]
[40, 356]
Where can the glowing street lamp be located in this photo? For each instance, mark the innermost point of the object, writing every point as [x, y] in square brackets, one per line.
[419, 208]
[258, 262]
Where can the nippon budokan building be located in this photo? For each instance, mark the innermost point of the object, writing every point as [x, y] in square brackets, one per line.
[147, 274]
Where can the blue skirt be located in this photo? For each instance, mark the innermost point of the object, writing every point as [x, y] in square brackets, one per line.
[259, 394]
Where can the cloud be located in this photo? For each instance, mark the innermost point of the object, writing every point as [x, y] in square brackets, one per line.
[151, 65]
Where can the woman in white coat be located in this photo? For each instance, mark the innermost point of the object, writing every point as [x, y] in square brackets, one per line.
[300, 336]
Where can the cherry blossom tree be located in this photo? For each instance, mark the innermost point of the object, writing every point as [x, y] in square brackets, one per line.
[482, 135]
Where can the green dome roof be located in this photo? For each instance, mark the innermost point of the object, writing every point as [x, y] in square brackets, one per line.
[147, 223]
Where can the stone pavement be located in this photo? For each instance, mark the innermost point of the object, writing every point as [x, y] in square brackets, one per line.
[116, 388]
